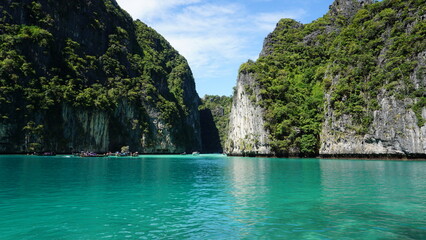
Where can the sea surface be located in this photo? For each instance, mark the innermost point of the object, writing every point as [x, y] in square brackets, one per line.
[210, 197]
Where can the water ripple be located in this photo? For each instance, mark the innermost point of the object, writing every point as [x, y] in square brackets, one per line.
[210, 198]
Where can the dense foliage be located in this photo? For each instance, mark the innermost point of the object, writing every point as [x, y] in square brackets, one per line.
[49, 58]
[351, 59]
[376, 54]
[220, 107]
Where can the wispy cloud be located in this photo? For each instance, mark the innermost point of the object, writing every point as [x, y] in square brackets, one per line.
[214, 37]
[206, 34]
[152, 9]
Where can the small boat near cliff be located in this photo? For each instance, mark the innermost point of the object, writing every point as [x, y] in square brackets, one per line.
[44, 154]
[91, 154]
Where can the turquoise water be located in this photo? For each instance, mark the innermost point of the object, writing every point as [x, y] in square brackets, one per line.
[210, 197]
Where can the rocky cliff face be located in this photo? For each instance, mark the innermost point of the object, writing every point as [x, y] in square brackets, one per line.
[395, 130]
[395, 108]
[351, 83]
[82, 75]
[347, 8]
[247, 133]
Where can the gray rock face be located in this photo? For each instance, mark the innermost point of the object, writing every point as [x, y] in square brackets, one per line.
[151, 102]
[394, 131]
[87, 130]
[247, 134]
[347, 8]
[419, 75]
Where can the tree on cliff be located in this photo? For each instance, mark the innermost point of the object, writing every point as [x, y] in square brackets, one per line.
[84, 69]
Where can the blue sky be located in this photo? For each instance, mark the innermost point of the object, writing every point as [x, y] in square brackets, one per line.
[216, 37]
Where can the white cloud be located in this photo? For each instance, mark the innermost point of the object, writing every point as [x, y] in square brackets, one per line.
[207, 34]
[214, 37]
[152, 9]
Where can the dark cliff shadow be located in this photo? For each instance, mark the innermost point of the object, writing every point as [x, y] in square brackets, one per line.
[209, 133]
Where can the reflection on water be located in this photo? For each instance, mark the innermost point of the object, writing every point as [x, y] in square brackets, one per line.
[210, 197]
[247, 180]
[375, 197]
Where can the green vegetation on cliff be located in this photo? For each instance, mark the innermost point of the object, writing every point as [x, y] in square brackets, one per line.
[351, 60]
[220, 108]
[377, 54]
[291, 84]
[90, 57]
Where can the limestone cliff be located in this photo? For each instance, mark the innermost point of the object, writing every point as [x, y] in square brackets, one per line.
[82, 75]
[247, 133]
[391, 123]
[347, 8]
[351, 83]
[394, 132]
